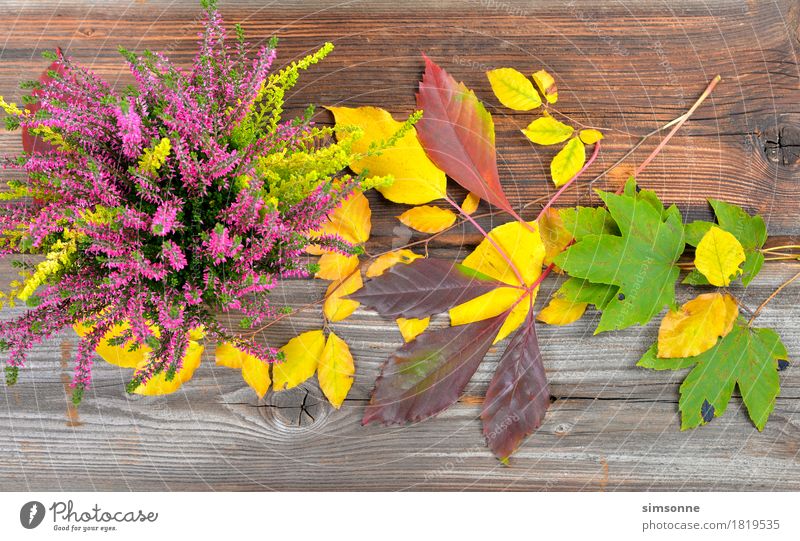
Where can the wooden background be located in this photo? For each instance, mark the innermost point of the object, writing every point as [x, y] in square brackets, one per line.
[625, 66]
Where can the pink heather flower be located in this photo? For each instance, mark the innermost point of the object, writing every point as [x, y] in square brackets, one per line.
[130, 131]
[165, 218]
[173, 254]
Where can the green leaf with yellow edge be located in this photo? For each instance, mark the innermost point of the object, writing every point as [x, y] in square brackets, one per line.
[718, 256]
[513, 89]
[590, 136]
[547, 85]
[697, 325]
[568, 162]
[158, 384]
[416, 179]
[300, 359]
[336, 308]
[335, 370]
[428, 219]
[386, 261]
[254, 372]
[410, 328]
[546, 130]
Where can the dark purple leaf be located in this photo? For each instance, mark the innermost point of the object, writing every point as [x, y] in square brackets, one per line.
[422, 288]
[428, 374]
[518, 395]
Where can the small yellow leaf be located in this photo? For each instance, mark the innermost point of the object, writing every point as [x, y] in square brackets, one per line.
[554, 235]
[568, 161]
[256, 374]
[696, 327]
[416, 179]
[158, 384]
[350, 220]
[522, 244]
[513, 89]
[116, 355]
[470, 203]
[335, 371]
[428, 219]
[412, 327]
[488, 305]
[560, 311]
[547, 85]
[228, 355]
[300, 358]
[382, 263]
[590, 136]
[334, 266]
[546, 130]
[336, 308]
[719, 256]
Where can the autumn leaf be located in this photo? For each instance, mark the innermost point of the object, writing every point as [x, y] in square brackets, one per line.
[335, 370]
[300, 359]
[696, 327]
[335, 266]
[336, 307]
[117, 355]
[416, 179]
[560, 311]
[547, 85]
[351, 221]
[568, 162]
[457, 133]
[389, 260]
[413, 327]
[254, 372]
[470, 204]
[570, 301]
[158, 384]
[590, 136]
[554, 235]
[718, 256]
[428, 219]
[546, 130]
[513, 89]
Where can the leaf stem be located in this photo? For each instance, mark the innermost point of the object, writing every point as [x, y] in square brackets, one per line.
[566, 185]
[772, 296]
[784, 247]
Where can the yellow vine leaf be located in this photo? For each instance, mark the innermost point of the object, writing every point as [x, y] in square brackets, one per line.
[546, 130]
[254, 372]
[334, 266]
[568, 161]
[300, 359]
[590, 136]
[719, 256]
[547, 85]
[335, 370]
[385, 261]
[560, 311]
[697, 325]
[428, 219]
[554, 235]
[350, 220]
[513, 89]
[412, 327]
[470, 203]
[416, 179]
[158, 384]
[335, 307]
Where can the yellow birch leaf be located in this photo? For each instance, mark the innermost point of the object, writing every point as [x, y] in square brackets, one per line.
[416, 179]
[696, 326]
[228, 355]
[350, 220]
[470, 203]
[412, 327]
[513, 89]
[719, 256]
[300, 358]
[554, 235]
[560, 311]
[158, 384]
[546, 130]
[256, 374]
[116, 355]
[382, 263]
[336, 308]
[335, 371]
[428, 219]
[334, 266]
[522, 244]
[590, 136]
[547, 85]
[568, 161]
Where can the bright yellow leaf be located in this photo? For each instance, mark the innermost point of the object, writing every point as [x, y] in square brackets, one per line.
[382, 263]
[350, 220]
[300, 358]
[412, 327]
[590, 136]
[522, 244]
[719, 256]
[334, 266]
[546, 130]
[335, 371]
[228, 355]
[547, 85]
[116, 355]
[513, 89]
[568, 161]
[560, 311]
[696, 327]
[336, 308]
[416, 179]
[470, 203]
[158, 384]
[428, 219]
[254, 372]
[555, 236]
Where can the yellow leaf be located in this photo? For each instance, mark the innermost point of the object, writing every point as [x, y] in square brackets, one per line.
[300, 358]
[334, 266]
[718, 256]
[228, 355]
[568, 161]
[350, 220]
[493, 304]
[560, 311]
[116, 355]
[547, 85]
[254, 372]
[416, 179]
[546, 130]
[513, 89]
[384, 262]
[428, 219]
[336, 369]
[590, 136]
[336, 308]
[159, 385]
[412, 327]
[696, 327]
[554, 235]
[522, 244]
[470, 203]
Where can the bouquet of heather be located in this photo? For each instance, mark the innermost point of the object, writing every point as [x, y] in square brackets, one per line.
[161, 206]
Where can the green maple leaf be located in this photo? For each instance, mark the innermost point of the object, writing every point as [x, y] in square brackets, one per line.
[747, 357]
[641, 261]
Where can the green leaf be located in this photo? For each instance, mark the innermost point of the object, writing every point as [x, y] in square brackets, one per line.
[568, 161]
[547, 130]
[582, 221]
[578, 290]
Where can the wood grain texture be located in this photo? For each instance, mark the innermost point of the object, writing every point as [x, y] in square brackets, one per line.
[612, 426]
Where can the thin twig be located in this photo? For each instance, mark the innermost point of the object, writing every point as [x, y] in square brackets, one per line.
[772, 296]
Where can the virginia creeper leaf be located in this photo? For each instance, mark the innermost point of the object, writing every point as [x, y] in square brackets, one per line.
[568, 162]
[513, 89]
[718, 256]
[697, 325]
[428, 219]
[560, 311]
[590, 136]
[546, 130]
[410, 328]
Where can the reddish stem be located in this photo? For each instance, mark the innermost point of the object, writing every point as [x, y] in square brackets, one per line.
[570, 181]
